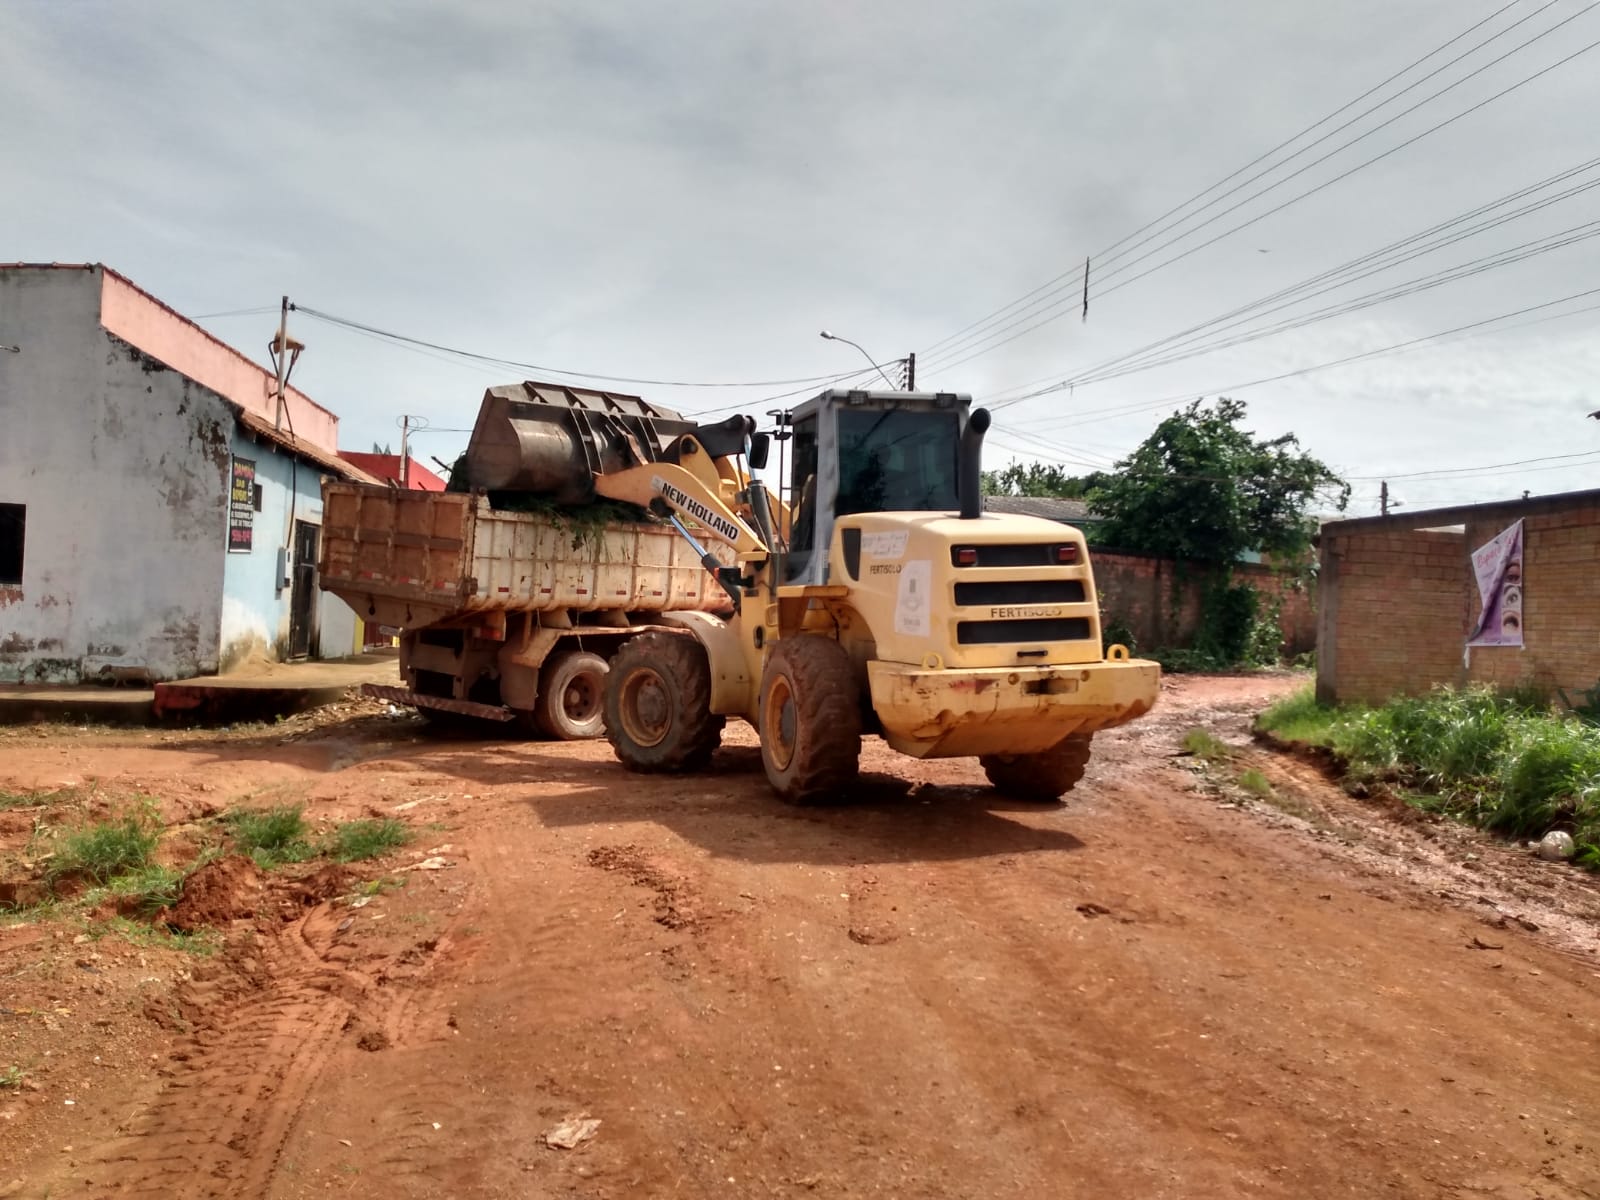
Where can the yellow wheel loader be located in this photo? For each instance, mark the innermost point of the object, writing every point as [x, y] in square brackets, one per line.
[870, 593]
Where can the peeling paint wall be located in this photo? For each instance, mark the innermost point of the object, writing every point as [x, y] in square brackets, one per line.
[143, 321]
[123, 466]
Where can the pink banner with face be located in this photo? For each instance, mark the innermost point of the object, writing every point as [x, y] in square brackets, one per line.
[1498, 566]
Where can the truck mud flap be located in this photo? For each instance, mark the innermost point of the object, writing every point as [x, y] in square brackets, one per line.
[467, 708]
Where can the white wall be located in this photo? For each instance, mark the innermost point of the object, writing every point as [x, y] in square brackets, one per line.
[123, 466]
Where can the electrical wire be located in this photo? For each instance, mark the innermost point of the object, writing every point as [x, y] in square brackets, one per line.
[526, 366]
[1503, 258]
[1077, 273]
[941, 362]
[1365, 265]
[1397, 347]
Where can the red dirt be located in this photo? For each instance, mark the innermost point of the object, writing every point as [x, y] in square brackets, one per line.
[1156, 990]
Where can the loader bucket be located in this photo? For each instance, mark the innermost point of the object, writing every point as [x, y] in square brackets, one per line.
[551, 440]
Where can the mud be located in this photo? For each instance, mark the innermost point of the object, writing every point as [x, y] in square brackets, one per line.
[1163, 988]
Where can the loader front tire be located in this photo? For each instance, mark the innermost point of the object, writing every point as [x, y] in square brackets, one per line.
[1041, 778]
[810, 719]
[571, 703]
[658, 704]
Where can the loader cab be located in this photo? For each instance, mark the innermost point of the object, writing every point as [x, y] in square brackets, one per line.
[855, 452]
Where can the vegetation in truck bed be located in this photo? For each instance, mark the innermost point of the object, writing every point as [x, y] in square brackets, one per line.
[584, 521]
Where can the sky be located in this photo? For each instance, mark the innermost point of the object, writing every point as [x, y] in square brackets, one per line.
[690, 192]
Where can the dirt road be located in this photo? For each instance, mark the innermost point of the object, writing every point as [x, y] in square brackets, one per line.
[1155, 990]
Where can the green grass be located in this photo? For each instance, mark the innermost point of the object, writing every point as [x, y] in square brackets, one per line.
[11, 1077]
[272, 835]
[204, 942]
[1206, 746]
[147, 890]
[105, 849]
[356, 840]
[1254, 782]
[1500, 760]
[1299, 718]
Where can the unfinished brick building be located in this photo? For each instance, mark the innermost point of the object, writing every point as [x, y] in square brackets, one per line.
[1398, 600]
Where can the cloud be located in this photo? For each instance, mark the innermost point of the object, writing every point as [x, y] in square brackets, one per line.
[691, 191]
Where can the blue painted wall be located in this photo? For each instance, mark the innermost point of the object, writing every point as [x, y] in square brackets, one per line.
[255, 610]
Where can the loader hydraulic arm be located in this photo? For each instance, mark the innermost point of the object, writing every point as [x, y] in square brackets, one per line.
[681, 492]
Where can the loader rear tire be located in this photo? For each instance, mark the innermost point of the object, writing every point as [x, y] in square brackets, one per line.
[1041, 778]
[658, 705]
[572, 689]
[810, 719]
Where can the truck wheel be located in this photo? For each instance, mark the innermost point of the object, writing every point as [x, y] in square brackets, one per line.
[810, 719]
[658, 704]
[1042, 778]
[572, 689]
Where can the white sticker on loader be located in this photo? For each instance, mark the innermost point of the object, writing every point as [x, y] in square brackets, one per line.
[914, 603]
[885, 545]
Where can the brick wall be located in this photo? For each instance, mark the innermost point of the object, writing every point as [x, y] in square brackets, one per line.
[1398, 602]
[1138, 590]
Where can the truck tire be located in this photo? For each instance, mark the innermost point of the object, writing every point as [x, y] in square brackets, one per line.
[572, 690]
[810, 719]
[658, 704]
[1042, 778]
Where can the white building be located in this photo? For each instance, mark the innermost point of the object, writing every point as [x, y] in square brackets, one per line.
[156, 522]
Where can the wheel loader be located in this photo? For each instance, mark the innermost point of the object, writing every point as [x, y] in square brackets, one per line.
[870, 593]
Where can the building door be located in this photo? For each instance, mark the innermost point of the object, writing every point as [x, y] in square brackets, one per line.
[303, 591]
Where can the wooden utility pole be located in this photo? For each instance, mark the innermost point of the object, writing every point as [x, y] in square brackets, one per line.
[911, 371]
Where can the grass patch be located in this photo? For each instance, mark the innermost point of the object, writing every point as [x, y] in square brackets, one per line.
[1502, 761]
[10, 799]
[272, 836]
[105, 849]
[204, 942]
[11, 1077]
[147, 890]
[356, 840]
[1299, 718]
[1206, 746]
[1254, 782]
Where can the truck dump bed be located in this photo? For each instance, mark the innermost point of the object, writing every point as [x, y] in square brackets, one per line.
[411, 558]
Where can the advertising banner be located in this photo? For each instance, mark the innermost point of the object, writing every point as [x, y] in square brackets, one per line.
[1498, 567]
[242, 507]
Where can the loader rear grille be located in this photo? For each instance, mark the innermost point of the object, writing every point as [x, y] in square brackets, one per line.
[1038, 629]
[1023, 554]
[1020, 591]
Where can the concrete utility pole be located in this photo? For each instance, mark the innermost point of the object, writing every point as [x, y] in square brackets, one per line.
[405, 451]
[1384, 503]
[283, 358]
[911, 371]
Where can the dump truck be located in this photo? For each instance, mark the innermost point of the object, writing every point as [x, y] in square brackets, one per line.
[510, 616]
[867, 593]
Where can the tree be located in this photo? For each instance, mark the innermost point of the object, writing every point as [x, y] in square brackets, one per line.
[1037, 479]
[1204, 490]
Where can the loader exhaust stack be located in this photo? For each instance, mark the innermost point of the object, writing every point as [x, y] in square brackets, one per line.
[969, 476]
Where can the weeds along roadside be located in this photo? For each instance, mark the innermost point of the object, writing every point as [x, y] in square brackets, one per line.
[1502, 761]
[112, 863]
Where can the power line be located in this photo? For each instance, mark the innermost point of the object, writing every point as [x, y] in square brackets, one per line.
[526, 366]
[1371, 263]
[1397, 347]
[1060, 306]
[1490, 262]
[237, 312]
[1077, 273]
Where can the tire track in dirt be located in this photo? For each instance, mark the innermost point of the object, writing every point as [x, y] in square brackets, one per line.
[270, 1024]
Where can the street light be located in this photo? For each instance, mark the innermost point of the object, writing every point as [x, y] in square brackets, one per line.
[834, 337]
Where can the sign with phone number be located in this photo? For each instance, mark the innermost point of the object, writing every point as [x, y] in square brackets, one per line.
[242, 507]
